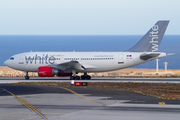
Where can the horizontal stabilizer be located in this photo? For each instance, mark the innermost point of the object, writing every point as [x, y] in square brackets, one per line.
[149, 56]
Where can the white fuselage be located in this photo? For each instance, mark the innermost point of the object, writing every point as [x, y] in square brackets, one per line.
[92, 61]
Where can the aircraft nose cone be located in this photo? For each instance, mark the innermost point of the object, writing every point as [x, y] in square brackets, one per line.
[6, 62]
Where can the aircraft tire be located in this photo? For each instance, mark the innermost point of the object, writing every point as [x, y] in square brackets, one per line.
[83, 77]
[88, 77]
[77, 78]
[71, 77]
[27, 77]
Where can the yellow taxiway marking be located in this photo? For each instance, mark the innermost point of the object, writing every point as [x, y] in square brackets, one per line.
[112, 101]
[26, 103]
[48, 97]
[30, 97]
[162, 103]
[78, 94]
[136, 101]
[96, 100]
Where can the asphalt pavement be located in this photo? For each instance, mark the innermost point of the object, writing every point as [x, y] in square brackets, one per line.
[20, 102]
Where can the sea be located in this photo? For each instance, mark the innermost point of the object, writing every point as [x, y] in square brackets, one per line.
[14, 44]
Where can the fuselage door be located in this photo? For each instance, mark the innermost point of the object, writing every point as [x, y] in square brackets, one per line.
[21, 60]
[121, 59]
[62, 58]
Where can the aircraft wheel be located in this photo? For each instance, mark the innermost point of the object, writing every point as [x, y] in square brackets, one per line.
[77, 78]
[83, 77]
[72, 77]
[27, 77]
[88, 77]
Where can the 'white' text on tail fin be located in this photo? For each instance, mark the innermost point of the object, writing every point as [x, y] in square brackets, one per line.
[154, 38]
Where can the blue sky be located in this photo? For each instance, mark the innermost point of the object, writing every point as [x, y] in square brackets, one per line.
[86, 17]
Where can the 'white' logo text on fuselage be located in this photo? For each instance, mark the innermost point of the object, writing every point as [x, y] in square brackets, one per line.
[154, 38]
[45, 59]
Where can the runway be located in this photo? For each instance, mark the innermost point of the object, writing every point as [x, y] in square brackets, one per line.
[25, 102]
[94, 79]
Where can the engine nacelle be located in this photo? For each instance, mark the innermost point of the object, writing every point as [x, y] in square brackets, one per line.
[47, 71]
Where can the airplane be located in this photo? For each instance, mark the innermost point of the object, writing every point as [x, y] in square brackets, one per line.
[49, 64]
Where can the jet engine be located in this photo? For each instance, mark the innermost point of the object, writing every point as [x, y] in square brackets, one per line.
[47, 71]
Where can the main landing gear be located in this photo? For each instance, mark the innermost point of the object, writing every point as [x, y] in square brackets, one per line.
[74, 77]
[27, 77]
[83, 77]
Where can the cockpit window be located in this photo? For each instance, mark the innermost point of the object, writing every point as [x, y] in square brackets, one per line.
[11, 58]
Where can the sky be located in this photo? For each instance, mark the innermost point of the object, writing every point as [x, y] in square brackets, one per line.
[87, 17]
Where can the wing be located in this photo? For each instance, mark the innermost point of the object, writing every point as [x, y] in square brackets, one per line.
[72, 65]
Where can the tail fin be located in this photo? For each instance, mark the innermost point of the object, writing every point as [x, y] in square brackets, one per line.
[151, 40]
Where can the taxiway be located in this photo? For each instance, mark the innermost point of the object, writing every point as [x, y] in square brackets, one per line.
[21, 102]
[94, 79]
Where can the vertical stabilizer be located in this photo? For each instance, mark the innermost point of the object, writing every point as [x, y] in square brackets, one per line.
[151, 40]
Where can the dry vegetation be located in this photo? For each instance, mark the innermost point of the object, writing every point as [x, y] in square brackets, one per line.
[160, 90]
